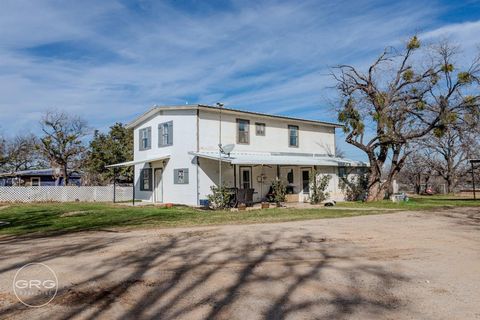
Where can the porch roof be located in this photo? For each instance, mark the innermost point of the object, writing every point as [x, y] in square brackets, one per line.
[280, 159]
[132, 163]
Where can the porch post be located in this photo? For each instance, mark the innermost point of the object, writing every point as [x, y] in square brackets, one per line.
[234, 175]
[261, 185]
[278, 171]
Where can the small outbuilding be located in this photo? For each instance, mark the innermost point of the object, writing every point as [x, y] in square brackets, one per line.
[38, 177]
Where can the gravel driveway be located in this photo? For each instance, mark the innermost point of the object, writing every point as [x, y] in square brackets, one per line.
[406, 265]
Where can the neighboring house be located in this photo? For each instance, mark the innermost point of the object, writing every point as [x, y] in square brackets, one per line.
[176, 153]
[41, 177]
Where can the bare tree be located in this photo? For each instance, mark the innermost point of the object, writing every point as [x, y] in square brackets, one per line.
[21, 153]
[62, 142]
[416, 171]
[3, 158]
[403, 96]
[449, 153]
[339, 152]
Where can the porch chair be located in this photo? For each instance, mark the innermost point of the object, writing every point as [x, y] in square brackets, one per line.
[249, 197]
[240, 196]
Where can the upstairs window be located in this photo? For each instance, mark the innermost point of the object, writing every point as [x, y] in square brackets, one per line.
[165, 134]
[293, 136]
[145, 138]
[259, 129]
[243, 131]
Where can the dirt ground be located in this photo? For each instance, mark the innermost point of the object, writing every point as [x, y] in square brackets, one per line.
[406, 265]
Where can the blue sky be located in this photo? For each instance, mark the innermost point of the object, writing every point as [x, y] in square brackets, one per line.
[111, 60]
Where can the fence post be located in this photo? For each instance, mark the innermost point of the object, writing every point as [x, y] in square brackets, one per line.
[133, 190]
[114, 184]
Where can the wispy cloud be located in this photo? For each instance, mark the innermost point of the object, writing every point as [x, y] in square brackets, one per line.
[110, 60]
[466, 30]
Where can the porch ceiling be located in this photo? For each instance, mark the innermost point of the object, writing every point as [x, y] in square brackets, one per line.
[132, 163]
[270, 159]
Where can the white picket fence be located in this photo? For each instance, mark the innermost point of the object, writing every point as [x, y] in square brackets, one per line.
[64, 194]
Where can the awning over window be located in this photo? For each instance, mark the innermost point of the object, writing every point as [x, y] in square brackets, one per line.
[132, 163]
[280, 159]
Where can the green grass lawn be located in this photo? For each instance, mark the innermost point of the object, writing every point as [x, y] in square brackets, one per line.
[46, 218]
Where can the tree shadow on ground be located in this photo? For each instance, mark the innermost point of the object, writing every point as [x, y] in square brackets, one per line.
[211, 275]
[469, 217]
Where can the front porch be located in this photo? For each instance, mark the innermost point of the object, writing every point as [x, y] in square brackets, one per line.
[258, 171]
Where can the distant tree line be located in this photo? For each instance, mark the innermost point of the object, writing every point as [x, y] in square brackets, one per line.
[442, 158]
[63, 145]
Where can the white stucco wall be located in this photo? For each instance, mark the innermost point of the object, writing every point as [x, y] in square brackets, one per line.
[184, 141]
[209, 176]
[318, 139]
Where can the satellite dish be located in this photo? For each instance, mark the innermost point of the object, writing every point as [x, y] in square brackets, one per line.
[228, 148]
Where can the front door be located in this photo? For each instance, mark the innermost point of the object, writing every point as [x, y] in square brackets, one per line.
[306, 181]
[158, 185]
[245, 177]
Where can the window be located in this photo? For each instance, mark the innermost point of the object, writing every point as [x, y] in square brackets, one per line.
[243, 131]
[259, 129]
[35, 182]
[165, 134]
[290, 176]
[293, 136]
[145, 138]
[180, 176]
[342, 172]
[306, 181]
[245, 177]
[146, 179]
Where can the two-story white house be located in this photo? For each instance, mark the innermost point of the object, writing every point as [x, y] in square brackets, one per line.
[177, 156]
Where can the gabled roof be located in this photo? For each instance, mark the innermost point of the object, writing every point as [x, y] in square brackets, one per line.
[155, 109]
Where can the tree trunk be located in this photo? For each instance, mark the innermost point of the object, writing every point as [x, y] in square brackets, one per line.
[65, 175]
[449, 185]
[427, 178]
[418, 182]
[376, 189]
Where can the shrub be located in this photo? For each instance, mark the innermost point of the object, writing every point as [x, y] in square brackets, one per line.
[318, 185]
[220, 197]
[279, 191]
[354, 188]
